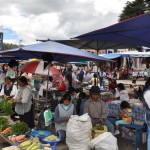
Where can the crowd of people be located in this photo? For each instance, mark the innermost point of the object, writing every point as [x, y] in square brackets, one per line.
[74, 100]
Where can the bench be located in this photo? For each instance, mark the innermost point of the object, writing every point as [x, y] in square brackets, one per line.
[134, 128]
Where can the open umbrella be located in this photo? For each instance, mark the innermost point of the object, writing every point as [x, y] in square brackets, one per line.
[95, 44]
[134, 31]
[37, 67]
[53, 51]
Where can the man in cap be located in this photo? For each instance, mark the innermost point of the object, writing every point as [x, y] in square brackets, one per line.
[96, 109]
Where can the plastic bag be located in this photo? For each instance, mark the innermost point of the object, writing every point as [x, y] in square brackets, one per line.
[78, 132]
[105, 141]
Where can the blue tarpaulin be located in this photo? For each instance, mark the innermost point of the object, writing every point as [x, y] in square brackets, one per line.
[111, 56]
[134, 31]
[52, 51]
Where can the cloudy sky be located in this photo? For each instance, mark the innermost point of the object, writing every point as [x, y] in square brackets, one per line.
[28, 20]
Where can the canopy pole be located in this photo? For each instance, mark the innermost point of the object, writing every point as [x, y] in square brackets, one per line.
[49, 65]
[98, 75]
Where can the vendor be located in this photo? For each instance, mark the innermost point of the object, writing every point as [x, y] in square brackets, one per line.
[122, 93]
[23, 101]
[96, 109]
[63, 112]
[9, 90]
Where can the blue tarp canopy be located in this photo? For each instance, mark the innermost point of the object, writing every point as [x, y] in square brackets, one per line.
[130, 54]
[95, 44]
[52, 51]
[134, 31]
[111, 56]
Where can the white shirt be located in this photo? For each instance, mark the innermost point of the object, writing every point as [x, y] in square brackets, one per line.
[123, 95]
[94, 68]
[44, 87]
[147, 97]
[13, 92]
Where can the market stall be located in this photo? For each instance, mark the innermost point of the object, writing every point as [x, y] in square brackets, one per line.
[20, 137]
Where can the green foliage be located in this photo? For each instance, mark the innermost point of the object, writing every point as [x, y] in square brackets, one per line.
[3, 126]
[20, 128]
[134, 8]
[3, 120]
[6, 107]
[7, 46]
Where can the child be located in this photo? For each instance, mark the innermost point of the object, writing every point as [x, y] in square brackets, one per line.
[125, 114]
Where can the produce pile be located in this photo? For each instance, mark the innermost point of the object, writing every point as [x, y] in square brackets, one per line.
[33, 145]
[6, 106]
[51, 138]
[99, 129]
[15, 132]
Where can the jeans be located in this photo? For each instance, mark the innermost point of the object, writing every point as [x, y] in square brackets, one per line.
[108, 124]
[148, 138]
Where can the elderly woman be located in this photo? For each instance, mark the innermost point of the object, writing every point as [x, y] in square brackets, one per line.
[23, 101]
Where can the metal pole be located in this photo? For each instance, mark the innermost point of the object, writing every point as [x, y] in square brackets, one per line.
[49, 65]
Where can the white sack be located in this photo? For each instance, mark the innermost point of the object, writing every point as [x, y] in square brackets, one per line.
[105, 141]
[78, 132]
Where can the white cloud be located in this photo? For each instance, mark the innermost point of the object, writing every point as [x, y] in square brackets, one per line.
[13, 41]
[42, 19]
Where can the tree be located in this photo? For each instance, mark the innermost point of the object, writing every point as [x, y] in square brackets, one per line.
[7, 46]
[134, 8]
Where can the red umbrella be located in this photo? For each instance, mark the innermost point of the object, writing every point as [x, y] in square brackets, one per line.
[37, 67]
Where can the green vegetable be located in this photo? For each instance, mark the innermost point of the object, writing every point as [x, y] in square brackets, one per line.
[98, 127]
[3, 120]
[6, 107]
[8, 134]
[3, 126]
[20, 128]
